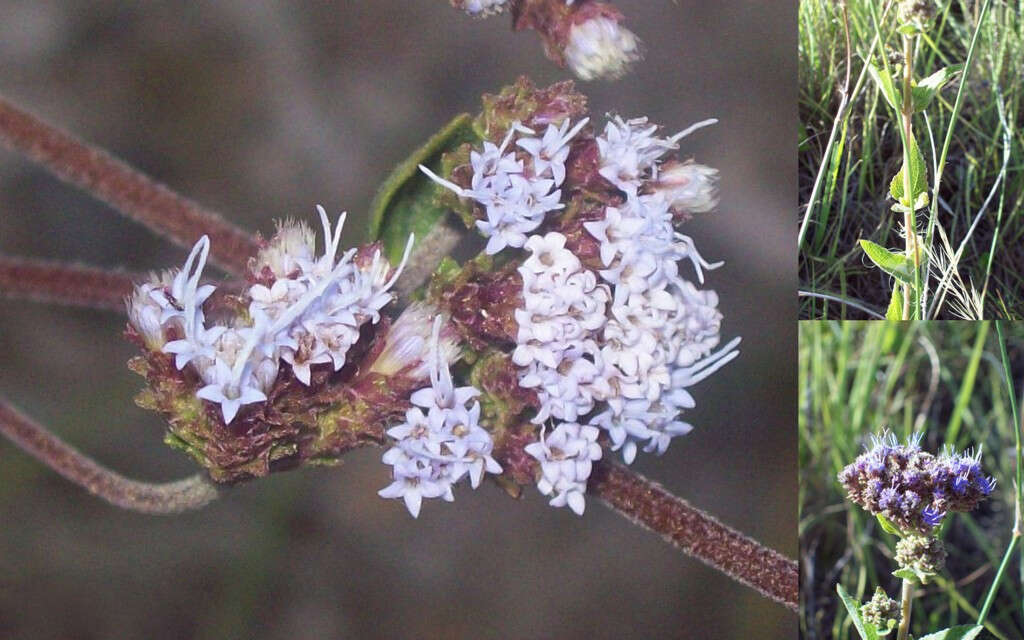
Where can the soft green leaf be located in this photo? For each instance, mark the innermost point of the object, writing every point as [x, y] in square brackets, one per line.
[926, 89]
[883, 79]
[406, 201]
[887, 525]
[894, 264]
[894, 312]
[866, 630]
[909, 573]
[960, 632]
[918, 178]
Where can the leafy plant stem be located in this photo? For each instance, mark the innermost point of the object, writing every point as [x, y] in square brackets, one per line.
[1019, 497]
[909, 225]
[906, 602]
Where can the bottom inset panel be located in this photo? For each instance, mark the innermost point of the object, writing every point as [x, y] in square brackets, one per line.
[909, 452]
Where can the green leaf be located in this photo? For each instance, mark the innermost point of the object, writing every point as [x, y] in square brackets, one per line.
[925, 90]
[909, 573]
[895, 264]
[406, 201]
[866, 630]
[894, 312]
[887, 525]
[918, 179]
[960, 632]
[883, 79]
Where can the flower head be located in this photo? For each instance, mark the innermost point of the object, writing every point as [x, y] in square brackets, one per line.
[912, 488]
[303, 310]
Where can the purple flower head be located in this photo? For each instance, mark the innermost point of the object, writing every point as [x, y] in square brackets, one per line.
[959, 484]
[889, 499]
[911, 488]
[932, 517]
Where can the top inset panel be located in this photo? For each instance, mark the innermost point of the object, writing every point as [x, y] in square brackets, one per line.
[909, 160]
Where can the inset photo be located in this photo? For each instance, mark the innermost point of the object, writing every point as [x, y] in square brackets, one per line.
[910, 149]
[910, 480]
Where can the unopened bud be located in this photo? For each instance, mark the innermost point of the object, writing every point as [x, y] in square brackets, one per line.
[688, 187]
[923, 554]
[600, 47]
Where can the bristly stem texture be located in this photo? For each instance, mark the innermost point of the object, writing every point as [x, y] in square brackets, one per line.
[127, 190]
[72, 285]
[696, 533]
[158, 499]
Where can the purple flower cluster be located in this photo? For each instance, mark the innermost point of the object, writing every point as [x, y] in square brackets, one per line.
[911, 488]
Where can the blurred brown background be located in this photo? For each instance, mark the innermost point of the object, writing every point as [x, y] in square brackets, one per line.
[262, 109]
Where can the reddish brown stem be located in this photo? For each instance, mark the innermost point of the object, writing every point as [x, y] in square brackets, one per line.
[73, 285]
[127, 190]
[696, 533]
[158, 499]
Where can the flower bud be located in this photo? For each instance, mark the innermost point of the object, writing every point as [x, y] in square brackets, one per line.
[598, 47]
[407, 344]
[481, 8]
[293, 244]
[688, 187]
[145, 313]
[916, 14]
[923, 554]
[882, 611]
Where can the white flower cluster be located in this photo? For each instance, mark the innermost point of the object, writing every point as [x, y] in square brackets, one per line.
[615, 349]
[633, 336]
[566, 459]
[517, 190]
[564, 309]
[437, 447]
[631, 149]
[310, 315]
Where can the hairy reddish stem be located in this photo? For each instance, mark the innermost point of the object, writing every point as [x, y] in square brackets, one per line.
[158, 499]
[74, 285]
[124, 188]
[696, 533]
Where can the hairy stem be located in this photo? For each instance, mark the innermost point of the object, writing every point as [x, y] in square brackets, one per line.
[429, 251]
[73, 285]
[132, 193]
[159, 499]
[696, 533]
[906, 601]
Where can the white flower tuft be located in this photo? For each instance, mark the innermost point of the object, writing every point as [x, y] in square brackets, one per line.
[623, 344]
[441, 440]
[516, 198]
[566, 459]
[309, 315]
[630, 150]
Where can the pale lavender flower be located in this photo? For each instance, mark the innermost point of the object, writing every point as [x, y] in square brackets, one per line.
[549, 153]
[566, 458]
[437, 447]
